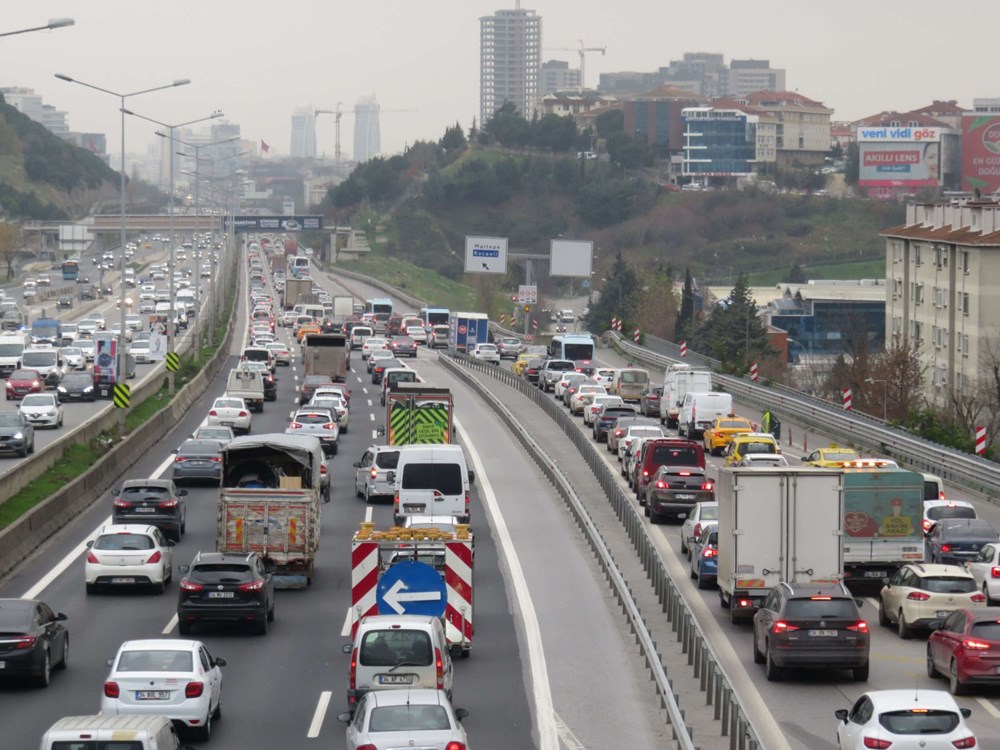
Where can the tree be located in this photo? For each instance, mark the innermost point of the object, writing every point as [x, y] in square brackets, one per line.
[656, 305]
[10, 241]
[507, 127]
[612, 121]
[628, 152]
[734, 334]
[453, 139]
[554, 133]
[685, 317]
[795, 275]
[852, 166]
[617, 297]
[901, 374]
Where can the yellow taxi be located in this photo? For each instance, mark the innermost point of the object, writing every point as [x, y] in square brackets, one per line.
[300, 334]
[832, 456]
[521, 362]
[722, 431]
[751, 442]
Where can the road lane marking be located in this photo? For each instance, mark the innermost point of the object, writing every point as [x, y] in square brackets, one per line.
[363, 389]
[570, 740]
[372, 416]
[541, 691]
[368, 514]
[345, 630]
[990, 708]
[319, 715]
[369, 402]
[374, 434]
[170, 625]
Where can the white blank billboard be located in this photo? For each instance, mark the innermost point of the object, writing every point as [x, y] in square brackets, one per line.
[571, 258]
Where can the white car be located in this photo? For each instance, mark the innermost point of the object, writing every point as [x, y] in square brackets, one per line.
[69, 332]
[222, 435]
[74, 357]
[287, 319]
[935, 510]
[87, 347]
[424, 717]
[696, 519]
[605, 376]
[567, 380]
[42, 410]
[487, 353]
[140, 350]
[919, 594]
[88, 327]
[230, 412]
[597, 404]
[584, 395]
[175, 678]
[375, 342]
[282, 354]
[985, 570]
[417, 333]
[334, 399]
[908, 719]
[127, 555]
[632, 432]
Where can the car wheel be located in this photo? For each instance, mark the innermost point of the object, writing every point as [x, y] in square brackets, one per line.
[990, 601]
[261, 628]
[902, 627]
[654, 518]
[692, 573]
[955, 686]
[758, 657]
[883, 618]
[160, 587]
[205, 733]
[44, 678]
[645, 509]
[64, 661]
[771, 670]
[91, 588]
[932, 671]
[358, 493]
[217, 713]
[23, 453]
[270, 613]
[184, 627]
[684, 547]
[860, 674]
[704, 582]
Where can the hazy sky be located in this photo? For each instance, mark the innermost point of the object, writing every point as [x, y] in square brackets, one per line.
[258, 61]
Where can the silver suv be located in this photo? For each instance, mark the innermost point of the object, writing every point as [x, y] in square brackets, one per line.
[372, 471]
[552, 372]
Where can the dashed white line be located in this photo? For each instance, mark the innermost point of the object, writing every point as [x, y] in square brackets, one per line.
[372, 416]
[363, 389]
[170, 625]
[369, 402]
[990, 708]
[374, 434]
[319, 715]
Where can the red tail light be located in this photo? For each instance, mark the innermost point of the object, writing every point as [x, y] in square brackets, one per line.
[783, 627]
[92, 558]
[172, 503]
[455, 745]
[946, 548]
[683, 473]
[243, 413]
[979, 597]
[295, 425]
[918, 596]
[194, 689]
[439, 666]
[859, 627]
[24, 642]
[111, 690]
[466, 503]
[709, 552]
[215, 459]
[876, 743]
[374, 473]
[975, 645]
[253, 586]
[154, 558]
[927, 524]
[619, 433]
[707, 485]
[186, 585]
[660, 484]
[125, 504]
[213, 413]
[322, 469]
[367, 747]
[352, 677]
[179, 459]
[995, 572]
[697, 530]
[328, 426]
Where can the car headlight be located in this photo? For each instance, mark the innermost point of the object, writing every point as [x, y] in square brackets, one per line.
[18, 435]
[88, 389]
[61, 389]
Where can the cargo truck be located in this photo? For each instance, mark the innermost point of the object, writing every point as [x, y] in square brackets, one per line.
[466, 329]
[294, 289]
[883, 511]
[776, 525]
[272, 485]
[419, 414]
[343, 306]
[326, 354]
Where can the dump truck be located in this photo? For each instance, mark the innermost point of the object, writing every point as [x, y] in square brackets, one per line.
[326, 354]
[418, 414]
[269, 503]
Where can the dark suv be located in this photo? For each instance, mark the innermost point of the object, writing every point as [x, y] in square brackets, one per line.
[664, 452]
[674, 490]
[604, 421]
[229, 588]
[156, 502]
[811, 625]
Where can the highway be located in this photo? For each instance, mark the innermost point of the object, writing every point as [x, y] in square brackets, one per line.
[547, 633]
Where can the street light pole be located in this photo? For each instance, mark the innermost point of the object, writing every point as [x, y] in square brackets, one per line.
[55, 23]
[122, 371]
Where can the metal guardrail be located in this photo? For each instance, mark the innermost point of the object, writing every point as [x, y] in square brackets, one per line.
[965, 470]
[701, 657]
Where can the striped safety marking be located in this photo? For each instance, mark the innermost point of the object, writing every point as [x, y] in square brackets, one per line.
[364, 578]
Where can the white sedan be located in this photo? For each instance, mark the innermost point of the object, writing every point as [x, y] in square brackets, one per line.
[129, 554]
[417, 333]
[282, 354]
[375, 342]
[175, 678]
[42, 410]
[74, 357]
[230, 412]
[335, 401]
[140, 350]
[487, 353]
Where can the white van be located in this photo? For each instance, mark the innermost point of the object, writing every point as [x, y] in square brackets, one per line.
[384, 642]
[699, 410]
[127, 732]
[431, 480]
[359, 334]
[678, 380]
[314, 311]
[186, 298]
[629, 383]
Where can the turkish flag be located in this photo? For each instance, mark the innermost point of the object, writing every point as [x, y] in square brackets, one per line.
[264, 147]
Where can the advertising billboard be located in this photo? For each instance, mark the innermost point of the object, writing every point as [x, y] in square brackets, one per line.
[899, 157]
[981, 153]
[272, 223]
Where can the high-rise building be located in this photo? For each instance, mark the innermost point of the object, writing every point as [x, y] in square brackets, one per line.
[367, 138]
[510, 57]
[304, 133]
[557, 76]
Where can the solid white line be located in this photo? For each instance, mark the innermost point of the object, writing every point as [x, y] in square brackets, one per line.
[170, 625]
[540, 689]
[317, 722]
[368, 514]
[345, 631]
[990, 708]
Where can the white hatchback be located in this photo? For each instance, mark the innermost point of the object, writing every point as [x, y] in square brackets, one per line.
[487, 353]
[375, 342]
[42, 410]
[911, 719]
[127, 555]
[230, 412]
[175, 678]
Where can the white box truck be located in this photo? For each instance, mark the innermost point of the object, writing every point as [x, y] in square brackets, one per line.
[776, 524]
[678, 381]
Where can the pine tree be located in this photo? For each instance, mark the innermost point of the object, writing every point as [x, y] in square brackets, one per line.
[685, 317]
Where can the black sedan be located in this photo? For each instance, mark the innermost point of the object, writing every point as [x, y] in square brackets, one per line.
[226, 588]
[77, 386]
[33, 640]
[954, 541]
[403, 346]
[198, 461]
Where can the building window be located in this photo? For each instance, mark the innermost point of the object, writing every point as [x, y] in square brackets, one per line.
[916, 255]
[963, 259]
[963, 302]
[897, 325]
[963, 345]
[940, 256]
[919, 298]
[897, 288]
[897, 252]
[915, 332]
[940, 297]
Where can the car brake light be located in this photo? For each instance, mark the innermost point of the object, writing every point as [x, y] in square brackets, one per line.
[328, 426]
[194, 689]
[456, 745]
[979, 597]
[946, 548]
[875, 742]
[975, 645]
[186, 585]
[172, 503]
[661, 485]
[964, 742]
[215, 459]
[439, 666]
[927, 524]
[22, 642]
[154, 558]
[683, 473]
[697, 530]
[995, 572]
[707, 485]
[119, 503]
[92, 558]
[253, 586]
[243, 413]
[111, 689]
[918, 596]
[466, 503]
[213, 413]
[322, 469]
[179, 459]
[709, 552]
[374, 473]
[295, 425]
[783, 627]
[859, 627]
[352, 677]
[645, 473]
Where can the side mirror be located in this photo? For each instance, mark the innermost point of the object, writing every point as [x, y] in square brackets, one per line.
[966, 712]
[60, 617]
[347, 647]
[182, 493]
[380, 431]
[174, 450]
[346, 718]
[461, 713]
[935, 625]
[90, 544]
[885, 581]
[171, 543]
[270, 567]
[356, 464]
[472, 477]
[859, 602]
[219, 661]
[109, 662]
[841, 713]
[183, 569]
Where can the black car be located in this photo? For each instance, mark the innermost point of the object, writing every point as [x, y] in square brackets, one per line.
[381, 365]
[17, 434]
[65, 301]
[198, 460]
[77, 386]
[225, 588]
[33, 640]
[649, 402]
[674, 490]
[403, 346]
[531, 370]
[814, 625]
[603, 422]
[156, 502]
[956, 540]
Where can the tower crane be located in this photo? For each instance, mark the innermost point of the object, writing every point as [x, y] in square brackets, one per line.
[340, 112]
[582, 51]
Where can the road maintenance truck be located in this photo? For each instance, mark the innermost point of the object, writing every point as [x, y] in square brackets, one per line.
[419, 414]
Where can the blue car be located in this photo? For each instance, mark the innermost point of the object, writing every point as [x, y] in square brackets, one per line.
[704, 556]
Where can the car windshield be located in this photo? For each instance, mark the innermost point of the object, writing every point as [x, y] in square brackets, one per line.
[832, 455]
[123, 541]
[821, 609]
[384, 648]
[446, 478]
[228, 403]
[143, 491]
[409, 718]
[733, 424]
[221, 573]
[981, 530]
[758, 447]
[948, 584]
[312, 418]
[919, 721]
[10, 419]
[15, 618]
[39, 399]
[199, 447]
[634, 377]
[950, 511]
[154, 661]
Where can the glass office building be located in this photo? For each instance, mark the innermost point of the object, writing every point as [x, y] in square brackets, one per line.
[719, 142]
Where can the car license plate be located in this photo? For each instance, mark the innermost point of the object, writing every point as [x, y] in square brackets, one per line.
[875, 574]
[228, 423]
[145, 510]
[123, 580]
[3, 665]
[152, 695]
[414, 508]
[942, 613]
[822, 633]
[395, 679]
[685, 497]
[221, 594]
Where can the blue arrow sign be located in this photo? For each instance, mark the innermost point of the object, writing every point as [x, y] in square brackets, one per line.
[411, 588]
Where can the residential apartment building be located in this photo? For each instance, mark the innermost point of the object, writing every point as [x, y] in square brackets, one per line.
[557, 76]
[803, 130]
[510, 58]
[942, 273]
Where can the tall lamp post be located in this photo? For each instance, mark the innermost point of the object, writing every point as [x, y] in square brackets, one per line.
[55, 23]
[122, 371]
[197, 222]
[172, 323]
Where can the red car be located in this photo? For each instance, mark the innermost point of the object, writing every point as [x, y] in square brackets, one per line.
[22, 382]
[965, 648]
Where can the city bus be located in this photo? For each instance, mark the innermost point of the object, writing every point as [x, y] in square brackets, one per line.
[71, 269]
[435, 316]
[573, 346]
[378, 305]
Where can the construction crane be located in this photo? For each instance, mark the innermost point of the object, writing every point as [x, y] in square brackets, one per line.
[582, 51]
[340, 112]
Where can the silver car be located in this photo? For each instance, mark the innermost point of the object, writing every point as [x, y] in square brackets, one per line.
[319, 422]
[420, 717]
[371, 472]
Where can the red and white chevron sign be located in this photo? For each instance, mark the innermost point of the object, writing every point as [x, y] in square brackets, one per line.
[636, 335]
[753, 372]
[458, 582]
[614, 324]
[684, 348]
[364, 579]
[980, 441]
[848, 399]
[503, 318]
